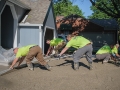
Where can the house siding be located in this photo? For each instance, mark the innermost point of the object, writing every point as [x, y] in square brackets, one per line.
[29, 35]
[50, 19]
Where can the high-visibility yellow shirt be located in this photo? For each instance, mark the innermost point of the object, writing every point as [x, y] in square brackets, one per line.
[104, 49]
[77, 42]
[55, 41]
[23, 51]
[115, 50]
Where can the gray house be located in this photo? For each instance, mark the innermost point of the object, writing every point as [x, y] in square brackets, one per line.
[11, 14]
[26, 22]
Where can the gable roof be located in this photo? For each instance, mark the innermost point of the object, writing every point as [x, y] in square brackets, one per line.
[107, 24]
[17, 4]
[38, 11]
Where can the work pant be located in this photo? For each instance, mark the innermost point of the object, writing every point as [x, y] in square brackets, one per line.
[36, 52]
[87, 50]
[105, 56]
[59, 46]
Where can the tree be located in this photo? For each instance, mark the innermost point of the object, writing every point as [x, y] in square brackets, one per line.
[109, 7]
[75, 15]
[76, 23]
[72, 15]
[98, 14]
[65, 8]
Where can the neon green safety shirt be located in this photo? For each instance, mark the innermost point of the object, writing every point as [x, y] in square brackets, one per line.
[55, 41]
[104, 49]
[114, 50]
[23, 51]
[77, 42]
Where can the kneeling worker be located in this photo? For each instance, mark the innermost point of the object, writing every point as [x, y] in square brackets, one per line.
[115, 54]
[28, 53]
[104, 53]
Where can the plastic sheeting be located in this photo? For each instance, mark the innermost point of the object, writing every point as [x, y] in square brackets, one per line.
[6, 56]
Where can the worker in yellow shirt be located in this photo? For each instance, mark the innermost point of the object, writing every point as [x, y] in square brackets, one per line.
[55, 44]
[104, 53]
[28, 53]
[83, 46]
[115, 51]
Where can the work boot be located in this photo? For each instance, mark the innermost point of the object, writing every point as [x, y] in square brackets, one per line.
[48, 67]
[105, 61]
[76, 65]
[30, 66]
[90, 65]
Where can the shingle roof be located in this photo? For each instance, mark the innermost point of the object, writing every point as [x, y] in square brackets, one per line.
[107, 24]
[17, 2]
[38, 11]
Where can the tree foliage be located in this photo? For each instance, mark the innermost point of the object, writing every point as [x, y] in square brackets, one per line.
[65, 8]
[103, 8]
[109, 7]
[98, 14]
[72, 15]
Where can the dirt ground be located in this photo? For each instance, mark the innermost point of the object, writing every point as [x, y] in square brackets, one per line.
[63, 77]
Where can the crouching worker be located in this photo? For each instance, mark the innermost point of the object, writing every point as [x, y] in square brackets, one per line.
[104, 53]
[28, 53]
[83, 46]
[55, 44]
[115, 54]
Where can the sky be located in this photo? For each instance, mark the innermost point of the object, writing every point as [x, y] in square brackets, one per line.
[84, 5]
